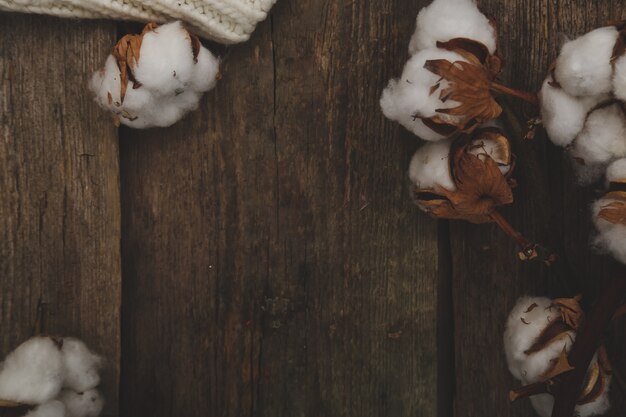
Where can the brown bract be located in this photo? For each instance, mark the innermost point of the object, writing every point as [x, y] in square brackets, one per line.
[480, 185]
[127, 53]
[615, 211]
[468, 83]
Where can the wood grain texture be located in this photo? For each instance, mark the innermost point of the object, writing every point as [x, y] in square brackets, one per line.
[59, 188]
[549, 208]
[273, 263]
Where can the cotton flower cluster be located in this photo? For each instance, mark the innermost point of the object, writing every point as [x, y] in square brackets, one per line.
[155, 78]
[609, 213]
[539, 333]
[56, 377]
[582, 101]
[444, 87]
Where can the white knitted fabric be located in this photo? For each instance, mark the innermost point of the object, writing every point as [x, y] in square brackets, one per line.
[225, 21]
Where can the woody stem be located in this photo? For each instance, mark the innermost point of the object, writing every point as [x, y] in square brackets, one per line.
[529, 390]
[509, 230]
[524, 95]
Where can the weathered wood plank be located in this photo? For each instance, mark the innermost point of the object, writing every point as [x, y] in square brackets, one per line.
[273, 263]
[60, 208]
[549, 207]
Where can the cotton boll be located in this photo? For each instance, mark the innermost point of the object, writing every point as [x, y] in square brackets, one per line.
[166, 62]
[430, 169]
[563, 115]
[583, 67]
[619, 78]
[602, 140]
[616, 172]
[32, 373]
[611, 236]
[82, 404]
[411, 96]
[524, 325]
[81, 366]
[50, 409]
[169, 80]
[443, 20]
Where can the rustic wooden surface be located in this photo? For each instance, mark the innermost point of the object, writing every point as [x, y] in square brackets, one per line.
[273, 264]
[59, 188]
[260, 276]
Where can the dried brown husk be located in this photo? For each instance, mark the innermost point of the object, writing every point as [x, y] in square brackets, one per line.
[615, 211]
[597, 378]
[480, 185]
[469, 84]
[13, 409]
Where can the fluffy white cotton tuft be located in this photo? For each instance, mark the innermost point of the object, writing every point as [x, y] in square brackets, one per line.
[50, 409]
[602, 140]
[616, 171]
[611, 237]
[82, 404]
[430, 169]
[524, 325]
[411, 95]
[81, 366]
[564, 115]
[170, 81]
[583, 67]
[32, 373]
[619, 78]
[443, 20]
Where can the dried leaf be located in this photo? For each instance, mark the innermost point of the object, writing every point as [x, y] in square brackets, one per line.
[614, 212]
[481, 187]
[571, 312]
[524, 320]
[468, 84]
[561, 366]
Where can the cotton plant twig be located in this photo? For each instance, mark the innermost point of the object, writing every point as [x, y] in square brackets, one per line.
[529, 250]
[523, 95]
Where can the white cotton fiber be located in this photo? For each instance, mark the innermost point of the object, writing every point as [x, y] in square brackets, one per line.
[443, 20]
[32, 373]
[611, 237]
[411, 96]
[563, 115]
[430, 169]
[82, 404]
[616, 172]
[522, 329]
[170, 82]
[583, 67]
[619, 78]
[602, 140]
[81, 366]
[50, 409]
[166, 61]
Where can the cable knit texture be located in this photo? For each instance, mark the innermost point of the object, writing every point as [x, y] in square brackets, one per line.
[225, 21]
